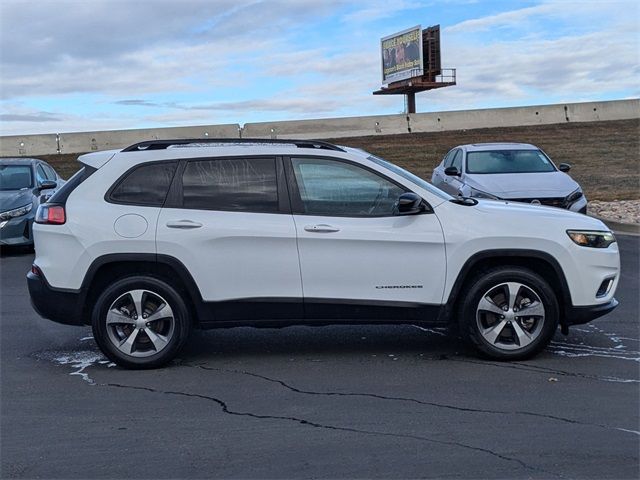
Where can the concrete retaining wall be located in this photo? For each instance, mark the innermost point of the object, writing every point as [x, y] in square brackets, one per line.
[28, 145]
[330, 127]
[92, 141]
[523, 116]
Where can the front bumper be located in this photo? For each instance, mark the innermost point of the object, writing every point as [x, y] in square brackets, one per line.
[17, 231]
[579, 315]
[61, 306]
[579, 206]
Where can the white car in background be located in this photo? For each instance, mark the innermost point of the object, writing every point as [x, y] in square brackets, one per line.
[517, 172]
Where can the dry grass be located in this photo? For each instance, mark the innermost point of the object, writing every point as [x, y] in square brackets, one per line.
[605, 156]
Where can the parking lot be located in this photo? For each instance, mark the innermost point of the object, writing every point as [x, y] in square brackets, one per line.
[339, 401]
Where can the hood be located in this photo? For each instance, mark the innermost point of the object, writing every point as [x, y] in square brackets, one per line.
[512, 212]
[14, 198]
[524, 185]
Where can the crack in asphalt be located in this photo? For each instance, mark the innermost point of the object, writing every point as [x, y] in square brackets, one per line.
[538, 369]
[413, 400]
[225, 409]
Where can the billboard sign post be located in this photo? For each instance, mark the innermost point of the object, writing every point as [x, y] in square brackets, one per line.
[402, 55]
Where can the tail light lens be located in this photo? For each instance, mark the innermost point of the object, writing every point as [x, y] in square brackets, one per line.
[51, 214]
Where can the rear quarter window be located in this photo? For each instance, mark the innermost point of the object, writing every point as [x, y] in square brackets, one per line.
[146, 184]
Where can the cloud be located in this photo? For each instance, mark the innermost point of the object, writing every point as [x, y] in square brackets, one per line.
[136, 64]
[379, 9]
[511, 18]
[143, 103]
[319, 61]
[537, 17]
[112, 47]
[137, 103]
[36, 117]
[513, 71]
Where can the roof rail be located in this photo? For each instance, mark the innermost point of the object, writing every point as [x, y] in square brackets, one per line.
[164, 144]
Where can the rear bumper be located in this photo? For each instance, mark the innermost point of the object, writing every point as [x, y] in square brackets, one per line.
[62, 306]
[580, 315]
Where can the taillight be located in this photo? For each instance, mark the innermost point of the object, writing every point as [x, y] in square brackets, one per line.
[50, 214]
[35, 270]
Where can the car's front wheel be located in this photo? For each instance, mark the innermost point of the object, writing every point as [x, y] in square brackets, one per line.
[140, 322]
[510, 313]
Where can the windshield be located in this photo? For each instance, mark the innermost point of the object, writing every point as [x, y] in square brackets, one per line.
[15, 177]
[508, 161]
[409, 176]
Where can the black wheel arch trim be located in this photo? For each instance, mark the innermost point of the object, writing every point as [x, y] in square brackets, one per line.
[512, 253]
[158, 259]
[44, 295]
[155, 259]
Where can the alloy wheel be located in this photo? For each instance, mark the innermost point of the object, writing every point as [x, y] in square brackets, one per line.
[140, 323]
[510, 316]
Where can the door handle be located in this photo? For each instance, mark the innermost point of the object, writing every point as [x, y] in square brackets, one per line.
[321, 228]
[183, 224]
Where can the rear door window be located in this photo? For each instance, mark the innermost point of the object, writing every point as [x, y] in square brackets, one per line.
[147, 184]
[234, 184]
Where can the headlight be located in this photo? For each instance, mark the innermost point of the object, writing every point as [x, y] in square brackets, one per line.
[574, 196]
[16, 212]
[480, 194]
[591, 238]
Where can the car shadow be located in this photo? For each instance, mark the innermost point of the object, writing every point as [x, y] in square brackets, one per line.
[318, 343]
[10, 251]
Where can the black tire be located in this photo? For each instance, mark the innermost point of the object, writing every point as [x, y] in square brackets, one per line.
[179, 334]
[471, 317]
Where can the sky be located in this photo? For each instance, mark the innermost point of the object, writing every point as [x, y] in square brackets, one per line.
[118, 64]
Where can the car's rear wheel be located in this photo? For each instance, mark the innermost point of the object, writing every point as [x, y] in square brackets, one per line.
[510, 313]
[140, 322]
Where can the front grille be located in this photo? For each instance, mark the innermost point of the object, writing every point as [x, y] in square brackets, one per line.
[559, 202]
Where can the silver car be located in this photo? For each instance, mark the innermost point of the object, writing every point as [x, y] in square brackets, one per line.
[517, 172]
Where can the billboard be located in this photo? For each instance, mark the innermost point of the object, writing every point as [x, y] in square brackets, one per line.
[431, 52]
[402, 55]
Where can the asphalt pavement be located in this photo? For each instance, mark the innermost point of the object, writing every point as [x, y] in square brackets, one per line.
[325, 402]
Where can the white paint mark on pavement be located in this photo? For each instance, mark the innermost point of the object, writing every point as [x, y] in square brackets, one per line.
[80, 361]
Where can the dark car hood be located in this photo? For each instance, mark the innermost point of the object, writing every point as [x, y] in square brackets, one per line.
[10, 199]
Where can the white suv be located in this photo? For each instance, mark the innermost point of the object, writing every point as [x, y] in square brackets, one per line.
[148, 242]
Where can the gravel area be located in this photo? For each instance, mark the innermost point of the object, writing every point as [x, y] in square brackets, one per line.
[626, 211]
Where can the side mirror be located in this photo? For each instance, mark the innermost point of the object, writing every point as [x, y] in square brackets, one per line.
[410, 203]
[564, 167]
[47, 184]
[452, 171]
